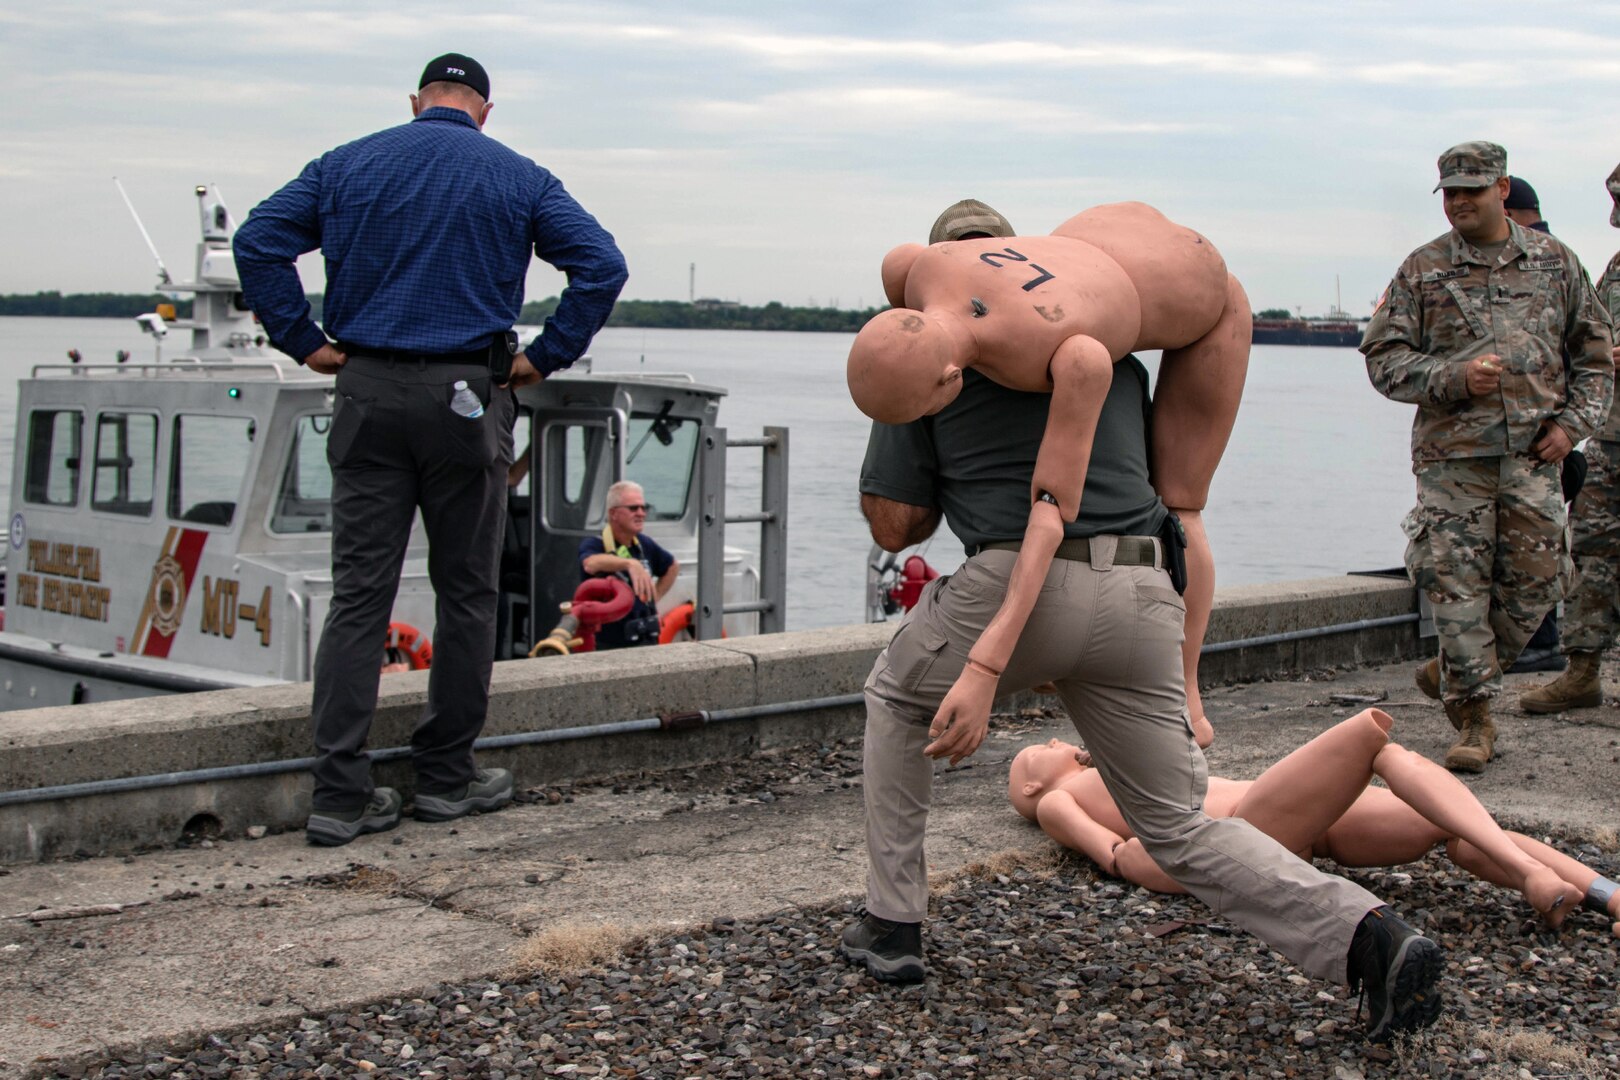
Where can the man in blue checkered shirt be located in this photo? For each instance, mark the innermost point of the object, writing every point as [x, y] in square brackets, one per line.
[427, 230]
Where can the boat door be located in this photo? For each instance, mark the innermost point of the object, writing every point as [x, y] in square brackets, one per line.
[576, 454]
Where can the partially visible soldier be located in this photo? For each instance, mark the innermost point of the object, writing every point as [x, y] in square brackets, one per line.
[1541, 653]
[1592, 609]
[1524, 206]
[1473, 331]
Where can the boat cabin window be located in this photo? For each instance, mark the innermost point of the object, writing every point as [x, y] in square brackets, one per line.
[207, 467]
[55, 443]
[121, 480]
[304, 503]
[660, 457]
[578, 472]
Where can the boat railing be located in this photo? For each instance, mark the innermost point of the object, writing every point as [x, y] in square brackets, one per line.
[232, 369]
[643, 376]
[712, 522]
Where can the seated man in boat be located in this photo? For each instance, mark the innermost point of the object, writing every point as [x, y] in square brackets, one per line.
[625, 551]
[1317, 803]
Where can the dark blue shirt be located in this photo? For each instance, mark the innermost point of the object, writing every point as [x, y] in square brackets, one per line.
[657, 561]
[427, 230]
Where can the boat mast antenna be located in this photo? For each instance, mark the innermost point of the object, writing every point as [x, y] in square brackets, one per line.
[163, 271]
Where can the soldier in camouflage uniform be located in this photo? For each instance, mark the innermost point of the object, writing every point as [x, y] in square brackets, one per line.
[1473, 331]
[1592, 609]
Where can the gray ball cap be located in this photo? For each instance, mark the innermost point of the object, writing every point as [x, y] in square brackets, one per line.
[1614, 193]
[968, 216]
[1471, 165]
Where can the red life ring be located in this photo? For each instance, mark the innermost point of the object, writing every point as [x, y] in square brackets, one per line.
[677, 619]
[410, 644]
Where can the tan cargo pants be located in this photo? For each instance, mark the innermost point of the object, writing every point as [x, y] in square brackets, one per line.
[1110, 638]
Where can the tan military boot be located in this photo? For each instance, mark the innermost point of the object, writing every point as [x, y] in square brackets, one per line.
[1428, 679]
[1478, 739]
[1577, 688]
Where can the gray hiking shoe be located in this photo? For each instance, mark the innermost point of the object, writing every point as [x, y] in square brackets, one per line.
[334, 828]
[490, 789]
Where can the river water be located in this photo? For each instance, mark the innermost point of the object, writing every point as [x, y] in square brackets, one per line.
[1314, 482]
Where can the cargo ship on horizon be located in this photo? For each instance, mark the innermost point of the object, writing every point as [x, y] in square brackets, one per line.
[1337, 330]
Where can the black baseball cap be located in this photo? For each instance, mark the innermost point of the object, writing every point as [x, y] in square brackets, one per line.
[454, 67]
[1521, 196]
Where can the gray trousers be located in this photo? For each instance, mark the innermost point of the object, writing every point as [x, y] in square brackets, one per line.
[1110, 638]
[395, 447]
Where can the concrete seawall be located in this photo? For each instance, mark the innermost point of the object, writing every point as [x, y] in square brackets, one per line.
[178, 734]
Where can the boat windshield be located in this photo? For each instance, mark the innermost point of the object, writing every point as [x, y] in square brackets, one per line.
[659, 458]
[207, 466]
[304, 504]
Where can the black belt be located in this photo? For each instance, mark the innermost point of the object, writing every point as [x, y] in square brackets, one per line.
[479, 357]
[1132, 550]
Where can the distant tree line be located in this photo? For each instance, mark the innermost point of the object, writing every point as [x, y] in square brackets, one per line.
[715, 315]
[89, 305]
[1274, 313]
[663, 314]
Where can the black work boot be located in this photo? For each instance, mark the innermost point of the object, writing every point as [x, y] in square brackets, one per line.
[892, 951]
[1396, 969]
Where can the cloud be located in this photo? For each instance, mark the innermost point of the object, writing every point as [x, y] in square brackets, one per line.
[909, 109]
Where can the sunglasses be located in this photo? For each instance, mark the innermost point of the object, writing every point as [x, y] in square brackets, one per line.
[634, 507]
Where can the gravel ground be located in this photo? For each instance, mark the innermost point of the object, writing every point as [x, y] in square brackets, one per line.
[1038, 967]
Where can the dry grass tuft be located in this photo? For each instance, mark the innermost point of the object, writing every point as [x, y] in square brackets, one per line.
[373, 880]
[1511, 1048]
[1607, 838]
[1039, 862]
[570, 948]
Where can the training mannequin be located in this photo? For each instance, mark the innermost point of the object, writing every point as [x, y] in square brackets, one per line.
[1052, 314]
[1317, 802]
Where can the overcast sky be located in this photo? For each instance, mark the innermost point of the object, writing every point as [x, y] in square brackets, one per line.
[782, 149]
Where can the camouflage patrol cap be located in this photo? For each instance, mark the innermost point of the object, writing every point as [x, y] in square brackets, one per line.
[1614, 193]
[1472, 165]
[967, 217]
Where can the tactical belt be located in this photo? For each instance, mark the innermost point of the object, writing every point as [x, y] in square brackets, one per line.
[1132, 550]
[479, 356]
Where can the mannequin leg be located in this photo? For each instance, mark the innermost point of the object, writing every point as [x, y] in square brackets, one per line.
[1195, 404]
[1299, 798]
[1577, 873]
[1447, 801]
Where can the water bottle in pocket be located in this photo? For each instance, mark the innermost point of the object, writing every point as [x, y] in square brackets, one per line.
[473, 435]
[465, 403]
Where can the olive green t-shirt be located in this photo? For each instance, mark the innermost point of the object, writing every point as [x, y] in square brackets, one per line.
[974, 459]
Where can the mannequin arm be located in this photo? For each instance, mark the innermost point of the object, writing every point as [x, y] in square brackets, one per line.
[1062, 819]
[1081, 371]
[1136, 866]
